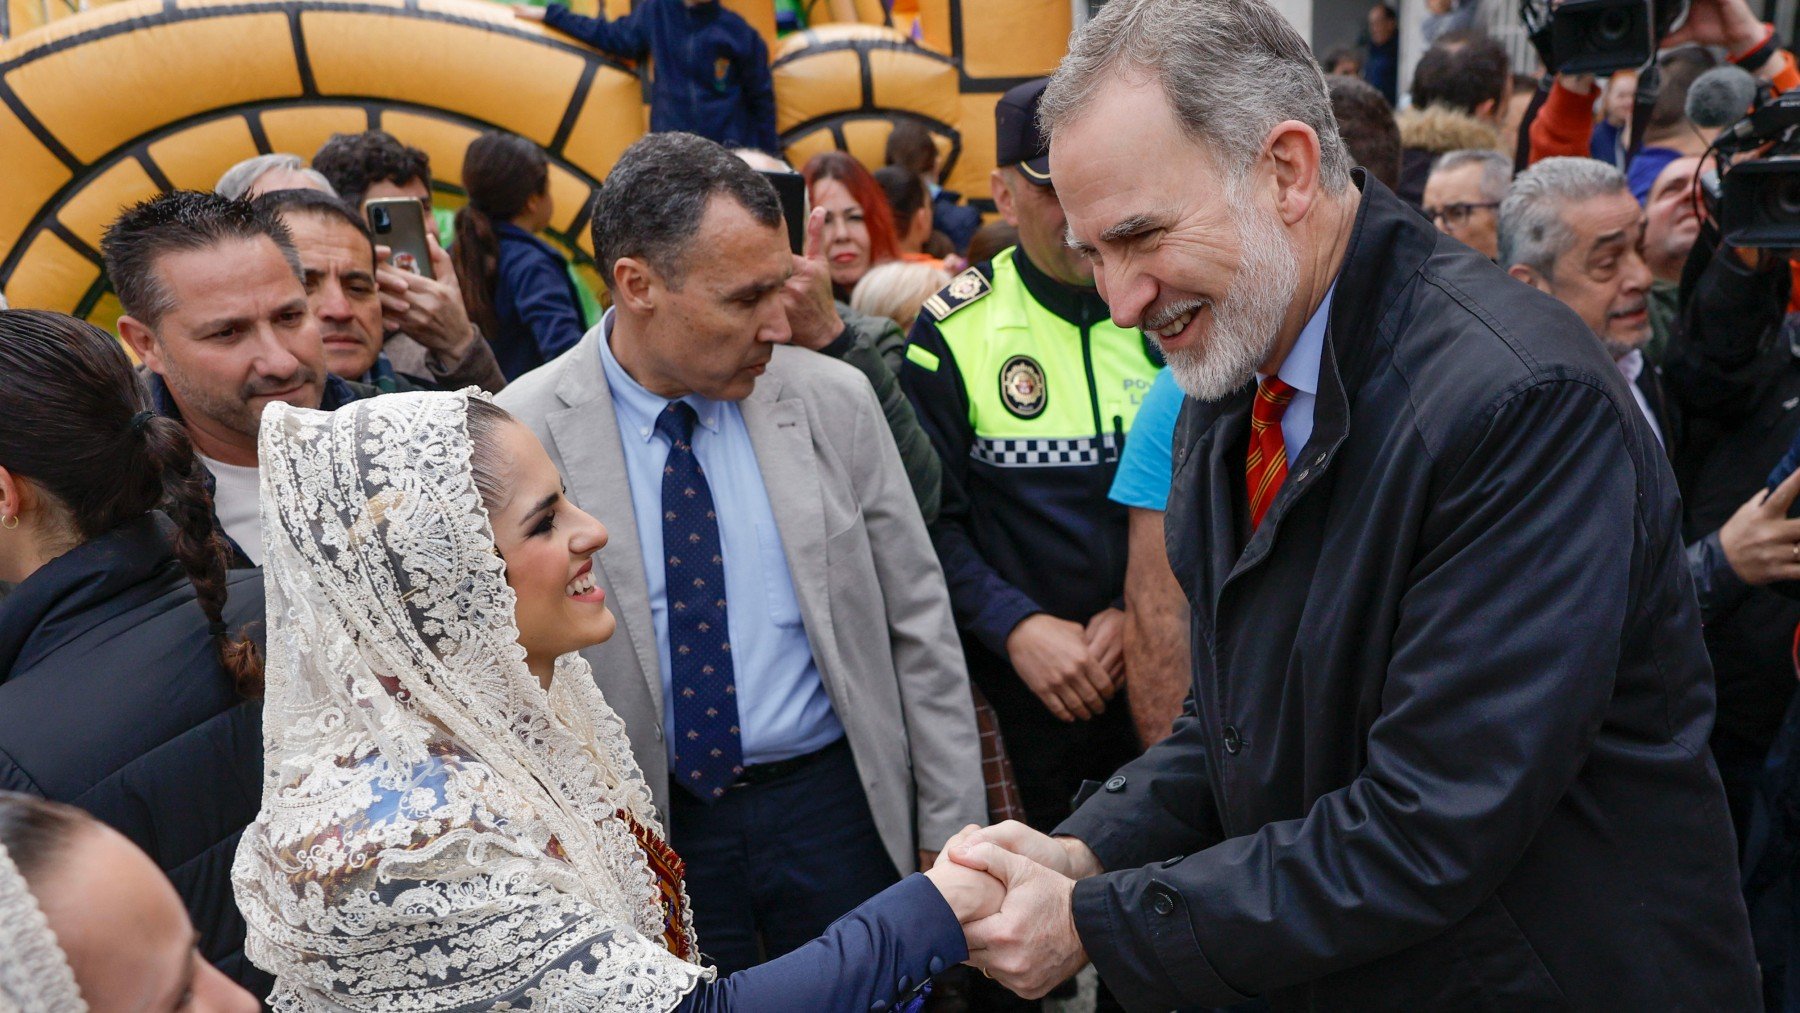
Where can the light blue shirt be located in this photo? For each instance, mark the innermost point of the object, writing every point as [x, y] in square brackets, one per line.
[1147, 467]
[783, 711]
[1300, 370]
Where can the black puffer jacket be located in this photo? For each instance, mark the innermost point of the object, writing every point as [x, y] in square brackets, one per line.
[1446, 747]
[112, 699]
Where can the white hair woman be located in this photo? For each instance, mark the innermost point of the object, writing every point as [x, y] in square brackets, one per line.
[896, 290]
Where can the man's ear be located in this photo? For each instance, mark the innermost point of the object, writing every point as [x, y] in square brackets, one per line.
[1486, 111]
[12, 490]
[1001, 185]
[1531, 277]
[142, 343]
[635, 285]
[1294, 151]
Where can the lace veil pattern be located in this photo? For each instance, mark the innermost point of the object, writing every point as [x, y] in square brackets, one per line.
[34, 974]
[437, 832]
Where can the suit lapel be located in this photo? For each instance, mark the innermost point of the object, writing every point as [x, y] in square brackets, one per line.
[586, 434]
[781, 434]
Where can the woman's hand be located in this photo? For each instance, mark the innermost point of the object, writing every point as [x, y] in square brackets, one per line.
[971, 895]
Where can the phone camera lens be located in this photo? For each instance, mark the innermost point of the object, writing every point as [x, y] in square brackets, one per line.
[378, 216]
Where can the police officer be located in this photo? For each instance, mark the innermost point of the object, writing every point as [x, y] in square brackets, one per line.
[1027, 390]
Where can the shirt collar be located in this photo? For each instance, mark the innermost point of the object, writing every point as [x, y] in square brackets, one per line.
[639, 407]
[1631, 365]
[1300, 370]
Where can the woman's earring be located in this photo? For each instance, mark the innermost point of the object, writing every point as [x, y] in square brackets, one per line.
[9, 523]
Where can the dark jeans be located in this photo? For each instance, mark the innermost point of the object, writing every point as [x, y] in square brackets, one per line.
[769, 866]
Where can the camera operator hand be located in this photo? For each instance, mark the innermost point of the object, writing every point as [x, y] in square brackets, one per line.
[1761, 543]
[1728, 23]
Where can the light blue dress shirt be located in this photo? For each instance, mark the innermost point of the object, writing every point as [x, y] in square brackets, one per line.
[1300, 370]
[783, 711]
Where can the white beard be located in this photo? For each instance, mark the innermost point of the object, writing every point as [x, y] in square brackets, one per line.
[1247, 320]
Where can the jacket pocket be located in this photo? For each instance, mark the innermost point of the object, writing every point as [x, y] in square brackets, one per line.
[1483, 962]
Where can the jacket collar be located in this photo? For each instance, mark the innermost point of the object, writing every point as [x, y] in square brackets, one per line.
[505, 231]
[338, 393]
[1082, 307]
[42, 613]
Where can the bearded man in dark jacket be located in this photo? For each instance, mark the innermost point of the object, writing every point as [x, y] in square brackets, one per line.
[1446, 742]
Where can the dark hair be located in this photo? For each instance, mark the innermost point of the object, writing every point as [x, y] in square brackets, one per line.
[990, 239]
[884, 238]
[36, 832]
[487, 464]
[653, 200]
[1336, 56]
[905, 191]
[1366, 123]
[910, 147]
[353, 162]
[81, 434]
[178, 222]
[1461, 70]
[316, 203]
[1680, 67]
[501, 173]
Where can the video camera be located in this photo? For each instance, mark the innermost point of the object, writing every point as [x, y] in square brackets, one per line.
[1756, 200]
[1600, 36]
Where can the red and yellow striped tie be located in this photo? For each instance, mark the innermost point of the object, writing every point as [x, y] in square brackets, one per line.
[1266, 464]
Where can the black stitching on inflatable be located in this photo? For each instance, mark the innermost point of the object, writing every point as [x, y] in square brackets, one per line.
[970, 83]
[573, 112]
[38, 130]
[91, 298]
[309, 85]
[837, 134]
[259, 135]
[152, 170]
[867, 74]
[865, 45]
[76, 243]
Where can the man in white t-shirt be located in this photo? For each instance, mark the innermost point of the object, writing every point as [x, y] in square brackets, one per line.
[216, 310]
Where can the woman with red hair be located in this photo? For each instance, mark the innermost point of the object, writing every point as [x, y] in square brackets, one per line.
[859, 229]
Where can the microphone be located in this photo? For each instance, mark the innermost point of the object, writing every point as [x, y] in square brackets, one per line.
[1721, 96]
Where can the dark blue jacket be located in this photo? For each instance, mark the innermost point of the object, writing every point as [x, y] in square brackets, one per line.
[711, 74]
[112, 699]
[538, 312]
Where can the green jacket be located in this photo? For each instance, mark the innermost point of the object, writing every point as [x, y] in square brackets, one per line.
[876, 346]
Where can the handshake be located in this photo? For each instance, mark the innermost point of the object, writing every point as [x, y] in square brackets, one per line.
[1011, 887]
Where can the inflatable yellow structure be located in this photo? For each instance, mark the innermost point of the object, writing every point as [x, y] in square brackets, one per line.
[107, 106]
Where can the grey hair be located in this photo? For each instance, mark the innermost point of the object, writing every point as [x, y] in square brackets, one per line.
[238, 179]
[1231, 70]
[1532, 230]
[1496, 169]
[653, 200]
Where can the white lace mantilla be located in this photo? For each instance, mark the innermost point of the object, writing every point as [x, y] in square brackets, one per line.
[34, 975]
[437, 832]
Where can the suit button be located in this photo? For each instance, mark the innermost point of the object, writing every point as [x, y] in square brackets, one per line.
[1116, 783]
[1163, 904]
[878, 1006]
[1232, 742]
[905, 984]
[937, 965]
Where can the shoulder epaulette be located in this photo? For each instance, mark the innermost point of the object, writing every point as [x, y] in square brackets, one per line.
[963, 290]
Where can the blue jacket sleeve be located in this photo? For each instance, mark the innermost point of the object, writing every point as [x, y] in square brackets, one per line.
[759, 96]
[985, 603]
[540, 290]
[877, 957]
[627, 37]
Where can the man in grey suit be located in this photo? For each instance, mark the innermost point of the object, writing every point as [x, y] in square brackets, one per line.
[787, 666]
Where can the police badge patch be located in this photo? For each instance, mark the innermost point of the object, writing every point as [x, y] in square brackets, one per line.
[1022, 387]
[964, 289]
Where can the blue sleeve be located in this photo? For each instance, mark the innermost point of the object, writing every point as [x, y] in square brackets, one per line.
[625, 37]
[877, 957]
[759, 96]
[985, 603]
[544, 299]
[1147, 466]
[1790, 462]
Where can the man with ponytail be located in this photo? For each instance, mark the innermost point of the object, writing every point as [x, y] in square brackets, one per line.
[216, 310]
[129, 677]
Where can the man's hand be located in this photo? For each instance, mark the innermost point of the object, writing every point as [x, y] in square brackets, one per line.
[1052, 656]
[1031, 945]
[1728, 23]
[526, 12]
[427, 310]
[1105, 635]
[971, 894]
[1063, 855]
[1760, 542]
[811, 310]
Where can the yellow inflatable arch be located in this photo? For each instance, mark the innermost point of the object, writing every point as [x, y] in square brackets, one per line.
[104, 107]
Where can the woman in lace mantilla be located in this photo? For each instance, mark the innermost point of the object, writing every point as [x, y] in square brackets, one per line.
[451, 815]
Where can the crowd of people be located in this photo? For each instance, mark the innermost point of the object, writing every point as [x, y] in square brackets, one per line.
[1353, 569]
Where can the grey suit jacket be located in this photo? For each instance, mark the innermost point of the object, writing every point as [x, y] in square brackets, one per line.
[871, 592]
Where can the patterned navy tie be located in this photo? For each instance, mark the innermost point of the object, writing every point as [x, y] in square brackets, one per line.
[709, 753]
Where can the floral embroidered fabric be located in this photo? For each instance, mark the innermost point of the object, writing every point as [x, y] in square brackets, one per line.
[437, 832]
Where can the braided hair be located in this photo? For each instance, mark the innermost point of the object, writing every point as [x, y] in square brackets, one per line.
[102, 460]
